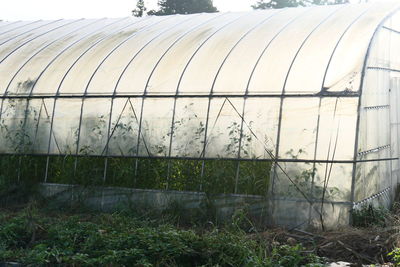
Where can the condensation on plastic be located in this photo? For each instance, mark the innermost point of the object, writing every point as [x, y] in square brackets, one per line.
[337, 128]
[12, 126]
[299, 125]
[38, 123]
[296, 197]
[223, 133]
[334, 214]
[332, 181]
[125, 117]
[94, 126]
[65, 129]
[260, 127]
[299, 186]
[291, 213]
[189, 127]
[155, 127]
[368, 179]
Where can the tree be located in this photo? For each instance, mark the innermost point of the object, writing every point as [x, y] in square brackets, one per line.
[266, 4]
[140, 9]
[330, 2]
[169, 7]
[277, 4]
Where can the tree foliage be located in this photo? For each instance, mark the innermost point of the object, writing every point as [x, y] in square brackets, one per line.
[170, 7]
[140, 9]
[266, 4]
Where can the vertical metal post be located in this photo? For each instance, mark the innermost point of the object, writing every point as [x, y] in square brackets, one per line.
[203, 153]
[240, 145]
[315, 158]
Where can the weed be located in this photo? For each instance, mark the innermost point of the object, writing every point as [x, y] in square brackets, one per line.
[116, 239]
[369, 215]
[395, 256]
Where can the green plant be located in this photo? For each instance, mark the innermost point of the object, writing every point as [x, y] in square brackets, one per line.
[395, 256]
[305, 178]
[294, 256]
[368, 215]
[117, 239]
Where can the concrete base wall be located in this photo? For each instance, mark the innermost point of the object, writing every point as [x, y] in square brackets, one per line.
[290, 213]
[114, 198]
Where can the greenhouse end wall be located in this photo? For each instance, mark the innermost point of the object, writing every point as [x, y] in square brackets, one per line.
[377, 170]
[183, 103]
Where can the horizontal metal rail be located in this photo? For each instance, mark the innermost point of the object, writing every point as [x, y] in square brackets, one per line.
[80, 96]
[201, 159]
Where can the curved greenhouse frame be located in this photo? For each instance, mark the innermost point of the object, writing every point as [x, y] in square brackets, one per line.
[298, 106]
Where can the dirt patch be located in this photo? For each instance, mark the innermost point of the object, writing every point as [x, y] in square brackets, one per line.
[359, 246]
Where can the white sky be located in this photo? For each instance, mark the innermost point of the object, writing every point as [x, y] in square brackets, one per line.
[55, 9]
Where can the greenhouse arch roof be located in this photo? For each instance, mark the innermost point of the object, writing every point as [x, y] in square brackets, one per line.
[312, 50]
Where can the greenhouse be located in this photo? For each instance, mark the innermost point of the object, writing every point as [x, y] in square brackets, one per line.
[296, 109]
